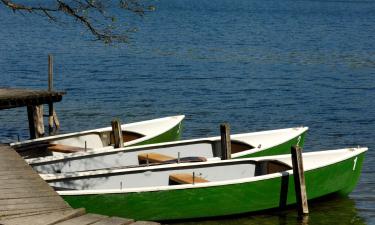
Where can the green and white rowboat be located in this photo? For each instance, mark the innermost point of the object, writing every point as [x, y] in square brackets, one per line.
[270, 142]
[138, 133]
[196, 190]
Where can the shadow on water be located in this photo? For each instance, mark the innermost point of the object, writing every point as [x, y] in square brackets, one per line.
[330, 210]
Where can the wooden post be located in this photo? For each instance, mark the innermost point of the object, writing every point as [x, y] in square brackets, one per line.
[50, 72]
[50, 88]
[52, 117]
[226, 150]
[35, 117]
[299, 181]
[117, 133]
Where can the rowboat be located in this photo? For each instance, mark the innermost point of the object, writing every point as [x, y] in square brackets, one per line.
[138, 133]
[208, 189]
[270, 142]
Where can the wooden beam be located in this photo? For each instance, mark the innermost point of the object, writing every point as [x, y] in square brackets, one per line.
[299, 181]
[12, 98]
[226, 150]
[117, 133]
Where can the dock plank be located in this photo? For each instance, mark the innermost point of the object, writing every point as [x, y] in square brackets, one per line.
[22, 190]
[114, 221]
[84, 219]
[45, 219]
[145, 223]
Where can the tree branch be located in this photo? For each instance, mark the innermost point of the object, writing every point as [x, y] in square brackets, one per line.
[79, 10]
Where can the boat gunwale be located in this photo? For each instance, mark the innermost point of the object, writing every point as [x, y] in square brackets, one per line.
[350, 153]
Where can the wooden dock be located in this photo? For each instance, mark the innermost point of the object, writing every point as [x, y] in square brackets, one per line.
[15, 97]
[25, 198]
[34, 101]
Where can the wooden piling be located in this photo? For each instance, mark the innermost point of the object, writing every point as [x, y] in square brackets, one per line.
[35, 117]
[50, 72]
[226, 150]
[117, 133]
[52, 117]
[299, 181]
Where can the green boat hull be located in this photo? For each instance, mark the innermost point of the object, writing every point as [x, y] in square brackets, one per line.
[173, 134]
[223, 200]
[283, 148]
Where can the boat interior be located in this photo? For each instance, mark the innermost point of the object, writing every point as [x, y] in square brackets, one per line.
[155, 177]
[71, 144]
[195, 151]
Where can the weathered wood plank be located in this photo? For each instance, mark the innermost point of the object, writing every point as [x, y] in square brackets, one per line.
[114, 221]
[26, 172]
[83, 220]
[24, 212]
[30, 200]
[33, 205]
[28, 194]
[145, 223]
[33, 184]
[45, 219]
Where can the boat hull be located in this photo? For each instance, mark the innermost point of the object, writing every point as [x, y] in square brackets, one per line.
[223, 200]
[173, 134]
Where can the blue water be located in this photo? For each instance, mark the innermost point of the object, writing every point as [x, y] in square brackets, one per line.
[257, 64]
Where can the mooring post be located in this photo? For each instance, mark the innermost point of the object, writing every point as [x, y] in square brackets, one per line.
[52, 117]
[226, 150]
[117, 133]
[35, 117]
[50, 72]
[299, 181]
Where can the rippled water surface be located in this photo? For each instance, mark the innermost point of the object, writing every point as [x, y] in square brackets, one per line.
[258, 65]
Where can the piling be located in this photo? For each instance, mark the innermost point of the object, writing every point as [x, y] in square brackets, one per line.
[52, 116]
[226, 150]
[117, 133]
[35, 117]
[299, 181]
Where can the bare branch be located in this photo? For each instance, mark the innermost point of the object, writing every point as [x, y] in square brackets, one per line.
[82, 11]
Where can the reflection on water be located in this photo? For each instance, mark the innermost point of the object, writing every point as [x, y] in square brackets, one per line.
[331, 210]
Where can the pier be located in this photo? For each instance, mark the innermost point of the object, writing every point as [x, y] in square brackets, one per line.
[25, 198]
[34, 101]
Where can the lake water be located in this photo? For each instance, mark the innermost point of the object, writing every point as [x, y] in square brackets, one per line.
[257, 64]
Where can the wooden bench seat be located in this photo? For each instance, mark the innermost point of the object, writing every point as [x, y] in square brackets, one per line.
[185, 178]
[153, 158]
[157, 158]
[65, 148]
